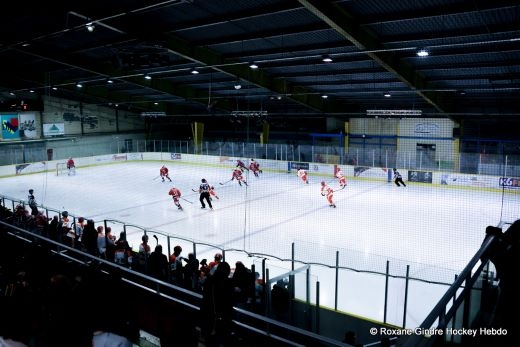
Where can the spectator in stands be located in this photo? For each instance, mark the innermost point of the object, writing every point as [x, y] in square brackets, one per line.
[244, 284]
[176, 271]
[505, 255]
[32, 202]
[217, 307]
[110, 241]
[53, 228]
[101, 241]
[158, 264]
[89, 238]
[78, 232]
[191, 273]
[123, 254]
[144, 253]
[214, 264]
[280, 300]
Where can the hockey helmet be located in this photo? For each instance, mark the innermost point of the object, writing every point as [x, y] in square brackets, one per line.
[65, 214]
[218, 257]
[203, 180]
[31, 191]
[322, 183]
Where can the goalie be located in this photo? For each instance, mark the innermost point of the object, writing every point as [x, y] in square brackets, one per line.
[71, 167]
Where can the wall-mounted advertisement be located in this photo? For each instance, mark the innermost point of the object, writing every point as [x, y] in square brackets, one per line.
[53, 129]
[27, 126]
[10, 126]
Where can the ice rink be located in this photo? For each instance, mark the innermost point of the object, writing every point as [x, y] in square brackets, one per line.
[434, 229]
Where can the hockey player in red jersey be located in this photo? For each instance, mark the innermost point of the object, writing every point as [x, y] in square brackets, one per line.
[212, 192]
[303, 175]
[241, 165]
[163, 172]
[238, 175]
[342, 180]
[71, 167]
[254, 167]
[328, 192]
[176, 194]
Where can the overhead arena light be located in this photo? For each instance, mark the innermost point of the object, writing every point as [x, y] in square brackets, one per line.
[249, 113]
[390, 113]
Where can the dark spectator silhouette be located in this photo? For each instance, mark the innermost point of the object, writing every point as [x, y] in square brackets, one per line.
[217, 307]
[158, 264]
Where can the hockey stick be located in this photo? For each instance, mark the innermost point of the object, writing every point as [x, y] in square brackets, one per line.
[156, 177]
[156, 240]
[340, 188]
[189, 202]
[195, 190]
[225, 182]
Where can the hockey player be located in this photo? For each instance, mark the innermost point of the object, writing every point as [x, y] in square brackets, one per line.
[328, 192]
[398, 178]
[237, 174]
[342, 180]
[176, 194]
[163, 172]
[254, 167]
[303, 175]
[241, 165]
[212, 192]
[71, 166]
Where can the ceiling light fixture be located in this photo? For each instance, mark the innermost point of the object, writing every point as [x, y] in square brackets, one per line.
[110, 81]
[387, 95]
[147, 77]
[238, 85]
[422, 53]
[326, 59]
[54, 88]
[90, 27]
[79, 85]
[324, 96]
[194, 71]
[253, 66]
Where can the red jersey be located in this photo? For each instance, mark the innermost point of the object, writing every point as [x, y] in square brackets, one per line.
[175, 192]
[237, 173]
[70, 163]
[163, 171]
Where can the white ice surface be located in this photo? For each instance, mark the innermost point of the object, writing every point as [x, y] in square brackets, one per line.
[436, 230]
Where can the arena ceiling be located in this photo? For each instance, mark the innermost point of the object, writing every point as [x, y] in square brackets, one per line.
[471, 70]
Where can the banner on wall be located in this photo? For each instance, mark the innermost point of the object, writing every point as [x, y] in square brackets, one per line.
[10, 126]
[27, 126]
[54, 129]
[420, 176]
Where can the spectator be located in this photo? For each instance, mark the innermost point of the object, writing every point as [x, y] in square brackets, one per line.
[32, 202]
[101, 242]
[244, 284]
[110, 241]
[53, 228]
[214, 264]
[123, 253]
[280, 300]
[78, 232]
[191, 273]
[89, 238]
[176, 272]
[144, 254]
[158, 264]
[217, 307]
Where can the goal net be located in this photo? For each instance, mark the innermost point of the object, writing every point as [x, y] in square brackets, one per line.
[61, 169]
